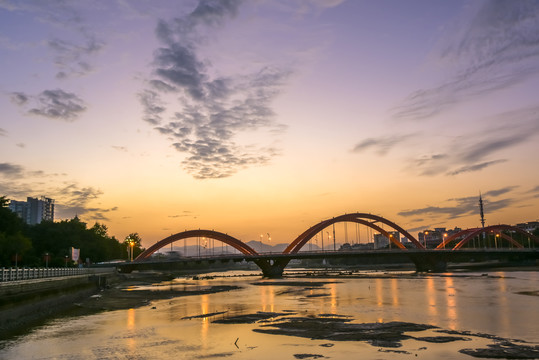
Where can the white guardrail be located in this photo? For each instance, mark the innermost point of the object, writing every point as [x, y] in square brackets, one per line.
[18, 274]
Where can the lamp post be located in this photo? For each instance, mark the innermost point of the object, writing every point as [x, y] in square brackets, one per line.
[425, 233]
[496, 240]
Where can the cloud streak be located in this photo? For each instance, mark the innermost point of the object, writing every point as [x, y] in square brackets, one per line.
[73, 52]
[71, 199]
[53, 104]
[73, 58]
[381, 145]
[10, 170]
[479, 150]
[496, 48]
[465, 206]
[212, 110]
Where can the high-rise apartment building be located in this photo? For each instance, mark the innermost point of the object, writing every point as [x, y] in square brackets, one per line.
[33, 210]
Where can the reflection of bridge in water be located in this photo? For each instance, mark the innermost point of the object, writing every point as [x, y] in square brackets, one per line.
[451, 249]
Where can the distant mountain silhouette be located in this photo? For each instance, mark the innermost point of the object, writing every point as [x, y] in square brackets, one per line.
[258, 246]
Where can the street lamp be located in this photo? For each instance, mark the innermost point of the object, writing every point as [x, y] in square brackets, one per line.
[496, 240]
[443, 240]
[425, 233]
[131, 243]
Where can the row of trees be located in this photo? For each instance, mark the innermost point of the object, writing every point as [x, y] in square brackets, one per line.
[51, 242]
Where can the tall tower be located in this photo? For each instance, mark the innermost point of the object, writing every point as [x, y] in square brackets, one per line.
[481, 210]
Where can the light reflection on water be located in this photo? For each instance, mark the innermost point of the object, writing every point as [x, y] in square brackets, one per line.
[451, 304]
[486, 304]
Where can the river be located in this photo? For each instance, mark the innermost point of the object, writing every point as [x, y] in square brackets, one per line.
[464, 311]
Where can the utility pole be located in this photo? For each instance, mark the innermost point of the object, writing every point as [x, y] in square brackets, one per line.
[482, 215]
[481, 211]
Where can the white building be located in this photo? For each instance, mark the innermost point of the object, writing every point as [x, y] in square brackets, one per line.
[33, 210]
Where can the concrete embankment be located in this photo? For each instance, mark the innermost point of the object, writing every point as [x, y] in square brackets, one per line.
[28, 301]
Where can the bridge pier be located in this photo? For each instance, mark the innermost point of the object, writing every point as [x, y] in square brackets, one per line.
[429, 262]
[272, 269]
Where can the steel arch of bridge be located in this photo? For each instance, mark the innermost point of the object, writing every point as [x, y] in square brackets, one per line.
[274, 268]
[469, 234]
[360, 218]
[211, 234]
[296, 245]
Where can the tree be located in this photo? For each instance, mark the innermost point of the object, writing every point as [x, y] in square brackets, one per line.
[57, 238]
[4, 201]
[14, 246]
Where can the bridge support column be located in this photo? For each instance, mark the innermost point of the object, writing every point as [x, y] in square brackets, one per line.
[125, 268]
[429, 263]
[272, 270]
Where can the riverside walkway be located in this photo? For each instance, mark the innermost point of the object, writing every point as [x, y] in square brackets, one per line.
[18, 274]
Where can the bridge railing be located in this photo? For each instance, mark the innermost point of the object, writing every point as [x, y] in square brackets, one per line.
[18, 274]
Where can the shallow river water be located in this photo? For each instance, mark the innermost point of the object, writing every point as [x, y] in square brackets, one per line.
[477, 309]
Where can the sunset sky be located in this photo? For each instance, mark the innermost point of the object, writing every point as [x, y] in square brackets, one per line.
[257, 117]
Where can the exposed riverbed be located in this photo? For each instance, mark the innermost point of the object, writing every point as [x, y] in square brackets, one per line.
[372, 315]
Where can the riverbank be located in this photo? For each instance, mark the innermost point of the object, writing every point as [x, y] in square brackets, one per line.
[140, 289]
[24, 303]
[373, 314]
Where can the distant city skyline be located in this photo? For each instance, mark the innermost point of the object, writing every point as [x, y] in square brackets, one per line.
[267, 117]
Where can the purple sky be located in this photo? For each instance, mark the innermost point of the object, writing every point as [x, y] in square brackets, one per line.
[251, 117]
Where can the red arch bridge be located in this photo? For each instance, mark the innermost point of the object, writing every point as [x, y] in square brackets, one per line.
[454, 248]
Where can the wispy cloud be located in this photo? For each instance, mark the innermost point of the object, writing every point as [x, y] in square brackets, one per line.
[381, 145]
[185, 213]
[17, 183]
[212, 110]
[475, 167]
[498, 192]
[481, 149]
[73, 58]
[534, 192]
[10, 170]
[76, 200]
[119, 148]
[494, 49]
[53, 104]
[465, 206]
[73, 52]
[3, 132]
